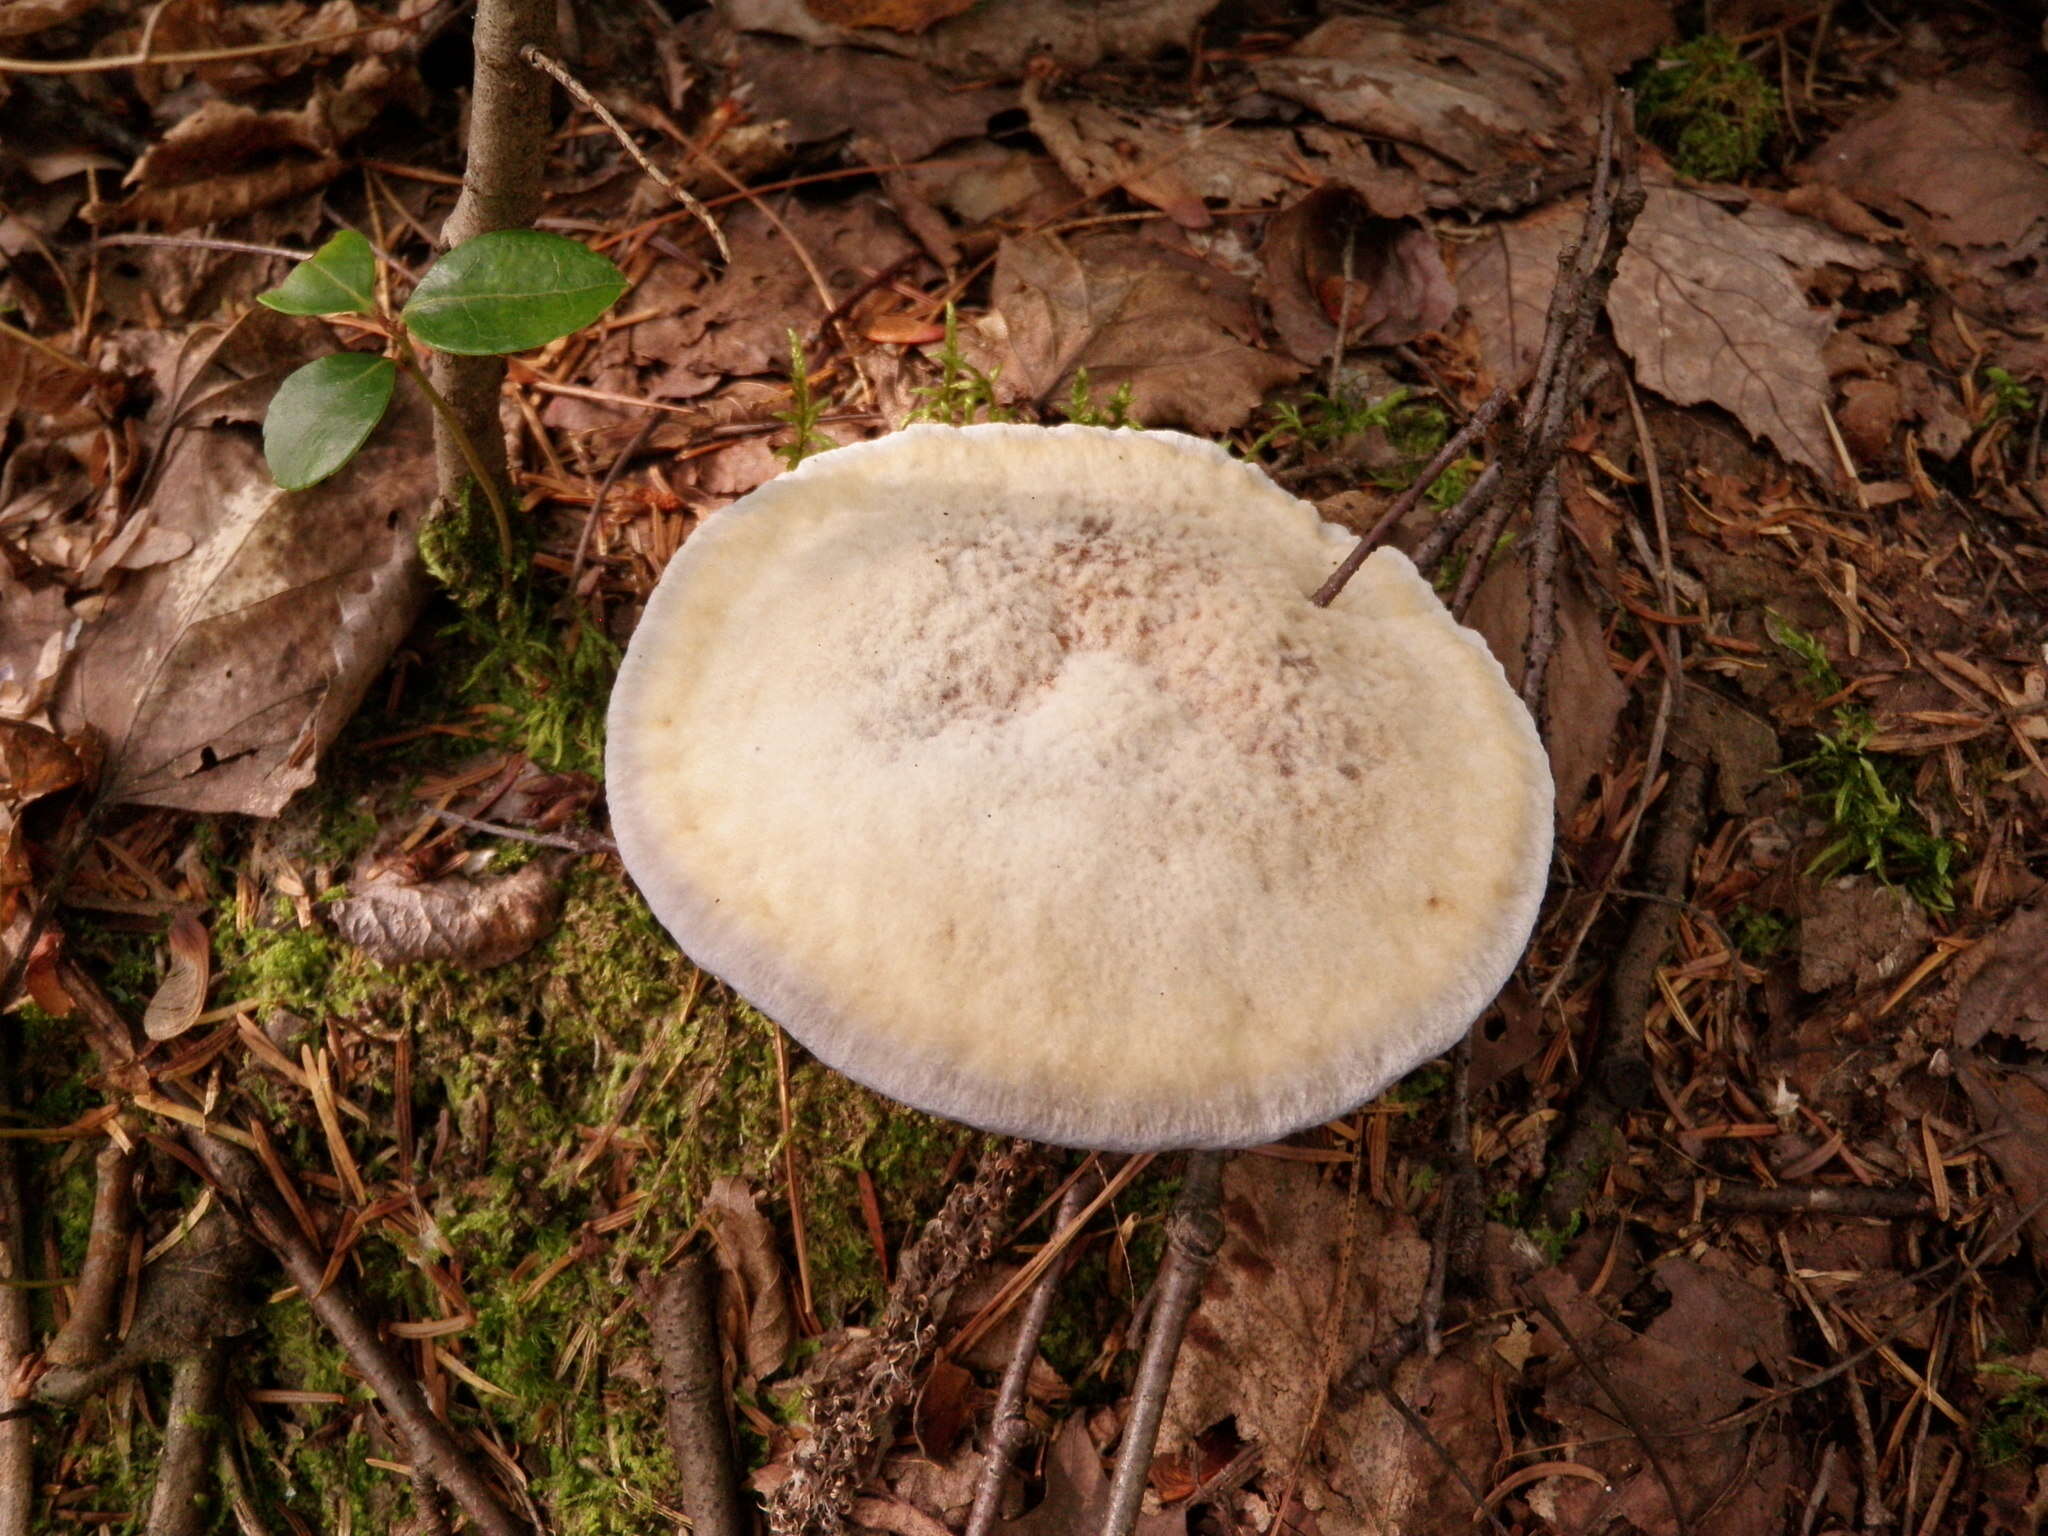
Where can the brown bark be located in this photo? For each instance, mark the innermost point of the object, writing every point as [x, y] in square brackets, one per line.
[682, 1320]
[180, 1504]
[85, 1337]
[501, 189]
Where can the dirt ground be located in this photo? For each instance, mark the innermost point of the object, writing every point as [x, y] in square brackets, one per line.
[304, 873]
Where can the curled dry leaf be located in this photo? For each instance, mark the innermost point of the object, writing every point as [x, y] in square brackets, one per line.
[181, 996]
[1399, 288]
[1485, 99]
[1174, 328]
[898, 105]
[2008, 994]
[1077, 1494]
[756, 1291]
[472, 923]
[221, 161]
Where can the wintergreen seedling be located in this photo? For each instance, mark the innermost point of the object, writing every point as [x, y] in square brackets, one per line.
[499, 293]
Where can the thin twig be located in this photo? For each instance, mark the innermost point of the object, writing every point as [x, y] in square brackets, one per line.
[569, 83]
[583, 842]
[1009, 1428]
[85, 1337]
[1470, 433]
[604, 490]
[1846, 1200]
[17, 1332]
[1542, 641]
[1193, 1236]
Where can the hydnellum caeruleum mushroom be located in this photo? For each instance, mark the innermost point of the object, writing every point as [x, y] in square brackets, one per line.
[1013, 771]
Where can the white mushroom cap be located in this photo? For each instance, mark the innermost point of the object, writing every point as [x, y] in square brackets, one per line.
[1013, 772]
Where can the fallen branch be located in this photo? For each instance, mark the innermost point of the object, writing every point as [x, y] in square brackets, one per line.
[86, 1337]
[178, 1505]
[682, 1320]
[1822, 1200]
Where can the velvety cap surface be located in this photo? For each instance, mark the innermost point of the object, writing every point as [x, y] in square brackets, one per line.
[1013, 772]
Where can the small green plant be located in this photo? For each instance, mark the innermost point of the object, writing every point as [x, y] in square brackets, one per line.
[2015, 1428]
[1821, 675]
[2004, 398]
[1759, 932]
[1876, 830]
[1084, 410]
[1414, 429]
[499, 293]
[805, 411]
[963, 393]
[1708, 108]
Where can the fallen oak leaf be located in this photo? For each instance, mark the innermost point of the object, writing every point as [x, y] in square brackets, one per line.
[756, 1289]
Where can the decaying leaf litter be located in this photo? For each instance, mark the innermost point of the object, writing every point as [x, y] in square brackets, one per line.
[1761, 1165]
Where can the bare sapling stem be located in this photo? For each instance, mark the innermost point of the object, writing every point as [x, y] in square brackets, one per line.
[1193, 1235]
[465, 444]
[501, 189]
[1009, 1429]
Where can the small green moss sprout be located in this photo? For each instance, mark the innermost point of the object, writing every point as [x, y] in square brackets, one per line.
[1708, 108]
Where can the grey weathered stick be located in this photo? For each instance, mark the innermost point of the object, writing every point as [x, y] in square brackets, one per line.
[682, 1321]
[1846, 1200]
[17, 1334]
[1008, 1428]
[179, 1505]
[1192, 1239]
[501, 189]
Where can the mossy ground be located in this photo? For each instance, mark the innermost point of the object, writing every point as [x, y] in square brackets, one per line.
[516, 1072]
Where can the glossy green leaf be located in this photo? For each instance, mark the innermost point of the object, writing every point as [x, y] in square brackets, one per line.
[338, 279]
[322, 413]
[511, 291]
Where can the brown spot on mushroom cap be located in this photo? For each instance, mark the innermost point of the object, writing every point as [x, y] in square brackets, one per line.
[1012, 770]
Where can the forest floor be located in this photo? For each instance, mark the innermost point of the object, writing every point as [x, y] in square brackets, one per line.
[1760, 1126]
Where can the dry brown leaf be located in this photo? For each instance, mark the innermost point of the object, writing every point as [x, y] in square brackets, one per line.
[996, 39]
[25, 18]
[1484, 97]
[1857, 931]
[1077, 1494]
[1172, 165]
[1583, 699]
[1710, 313]
[1683, 1372]
[1174, 328]
[1257, 1347]
[221, 161]
[1504, 285]
[2008, 995]
[217, 678]
[1399, 288]
[896, 105]
[1613, 34]
[756, 1289]
[1951, 158]
[472, 923]
[892, 15]
[181, 996]
[2012, 1109]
